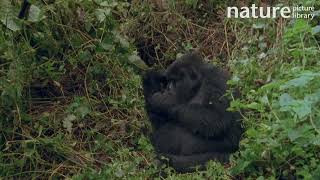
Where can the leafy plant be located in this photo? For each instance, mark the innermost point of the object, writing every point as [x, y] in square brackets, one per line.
[62, 71]
[281, 140]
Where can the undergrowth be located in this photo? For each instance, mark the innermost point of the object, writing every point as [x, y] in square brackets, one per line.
[277, 71]
[71, 104]
[70, 93]
[70, 99]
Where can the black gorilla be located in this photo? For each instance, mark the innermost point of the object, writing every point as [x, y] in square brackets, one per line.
[187, 110]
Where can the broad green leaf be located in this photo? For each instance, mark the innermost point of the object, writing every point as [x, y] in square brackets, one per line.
[255, 106]
[109, 4]
[102, 14]
[301, 81]
[11, 23]
[35, 14]
[107, 43]
[285, 100]
[301, 107]
[316, 30]
[8, 16]
[122, 40]
[137, 61]
[313, 98]
[293, 134]
[107, 47]
[85, 56]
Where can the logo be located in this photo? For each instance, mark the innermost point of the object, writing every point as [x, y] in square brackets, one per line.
[299, 12]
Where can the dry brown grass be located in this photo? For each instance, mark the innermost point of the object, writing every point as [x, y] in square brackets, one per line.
[161, 34]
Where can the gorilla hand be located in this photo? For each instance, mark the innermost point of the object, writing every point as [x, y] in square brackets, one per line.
[164, 101]
[153, 82]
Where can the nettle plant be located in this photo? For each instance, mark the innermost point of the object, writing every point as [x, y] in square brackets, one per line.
[282, 114]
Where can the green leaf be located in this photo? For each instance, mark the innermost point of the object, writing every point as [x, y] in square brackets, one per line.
[80, 107]
[67, 122]
[285, 100]
[82, 111]
[301, 107]
[255, 106]
[316, 30]
[316, 140]
[137, 61]
[8, 16]
[122, 40]
[85, 56]
[240, 167]
[107, 46]
[293, 134]
[260, 178]
[11, 23]
[258, 25]
[264, 99]
[301, 81]
[102, 14]
[109, 4]
[313, 98]
[316, 173]
[35, 14]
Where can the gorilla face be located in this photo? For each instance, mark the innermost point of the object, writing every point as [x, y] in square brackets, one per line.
[180, 83]
[185, 81]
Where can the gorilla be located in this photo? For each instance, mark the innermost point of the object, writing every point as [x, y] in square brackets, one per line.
[187, 109]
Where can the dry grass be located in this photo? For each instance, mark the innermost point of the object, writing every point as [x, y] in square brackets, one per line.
[160, 35]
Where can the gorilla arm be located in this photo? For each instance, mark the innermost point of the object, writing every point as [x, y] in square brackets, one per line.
[203, 120]
[153, 82]
[163, 101]
[205, 114]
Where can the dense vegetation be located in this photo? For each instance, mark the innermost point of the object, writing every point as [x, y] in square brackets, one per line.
[70, 91]
[281, 101]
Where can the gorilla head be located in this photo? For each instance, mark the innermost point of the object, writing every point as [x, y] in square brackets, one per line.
[187, 109]
[179, 83]
[184, 76]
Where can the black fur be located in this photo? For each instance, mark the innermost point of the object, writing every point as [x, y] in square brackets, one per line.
[187, 110]
[24, 10]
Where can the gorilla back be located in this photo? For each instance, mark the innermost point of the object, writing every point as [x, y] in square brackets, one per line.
[187, 109]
